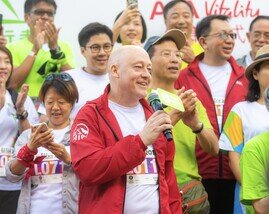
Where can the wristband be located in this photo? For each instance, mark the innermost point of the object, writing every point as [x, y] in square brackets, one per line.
[198, 130]
[32, 54]
[25, 156]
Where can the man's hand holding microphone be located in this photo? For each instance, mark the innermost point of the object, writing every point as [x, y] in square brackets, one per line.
[158, 122]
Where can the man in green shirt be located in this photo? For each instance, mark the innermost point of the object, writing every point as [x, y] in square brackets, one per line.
[41, 53]
[189, 125]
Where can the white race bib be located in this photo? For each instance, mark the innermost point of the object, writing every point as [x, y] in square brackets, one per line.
[48, 171]
[219, 103]
[146, 173]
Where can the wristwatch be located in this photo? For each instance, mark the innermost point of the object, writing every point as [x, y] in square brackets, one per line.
[22, 116]
[56, 50]
[199, 130]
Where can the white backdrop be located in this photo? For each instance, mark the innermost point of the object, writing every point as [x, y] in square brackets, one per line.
[72, 15]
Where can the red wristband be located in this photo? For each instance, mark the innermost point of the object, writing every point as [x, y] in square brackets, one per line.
[25, 156]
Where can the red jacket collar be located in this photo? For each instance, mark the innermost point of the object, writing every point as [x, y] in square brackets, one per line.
[235, 67]
[237, 71]
[104, 99]
[102, 106]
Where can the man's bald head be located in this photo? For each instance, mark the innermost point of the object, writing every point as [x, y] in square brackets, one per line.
[122, 55]
[123, 52]
[129, 70]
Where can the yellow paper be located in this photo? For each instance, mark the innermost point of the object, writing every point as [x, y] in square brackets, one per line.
[170, 99]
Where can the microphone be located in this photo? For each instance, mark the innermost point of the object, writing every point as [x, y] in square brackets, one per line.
[156, 105]
[266, 98]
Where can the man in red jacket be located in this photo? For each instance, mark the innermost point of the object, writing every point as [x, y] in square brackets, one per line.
[123, 161]
[219, 83]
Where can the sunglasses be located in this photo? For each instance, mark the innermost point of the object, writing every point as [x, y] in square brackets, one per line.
[61, 76]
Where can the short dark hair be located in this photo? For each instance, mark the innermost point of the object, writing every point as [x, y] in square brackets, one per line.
[93, 29]
[254, 93]
[29, 4]
[144, 27]
[257, 19]
[67, 89]
[204, 26]
[8, 53]
[171, 4]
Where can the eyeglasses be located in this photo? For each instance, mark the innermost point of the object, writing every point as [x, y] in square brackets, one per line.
[168, 53]
[259, 35]
[61, 76]
[43, 12]
[97, 48]
[223, 35]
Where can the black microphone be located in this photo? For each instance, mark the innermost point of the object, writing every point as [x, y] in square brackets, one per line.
[266, 98]
[156, 105]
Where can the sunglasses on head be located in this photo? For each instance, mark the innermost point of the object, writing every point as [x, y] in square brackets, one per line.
[61, 76]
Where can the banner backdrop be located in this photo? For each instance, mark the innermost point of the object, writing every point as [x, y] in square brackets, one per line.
[72, 15]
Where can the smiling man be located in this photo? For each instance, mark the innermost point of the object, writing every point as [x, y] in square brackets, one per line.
[258, 36]
[219, 84]
[123, 161]
[188, 126]
[41, 53]
[95, 40]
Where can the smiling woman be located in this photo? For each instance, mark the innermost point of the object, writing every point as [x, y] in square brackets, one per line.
[130, 27]
[43, 157]
[16, 111]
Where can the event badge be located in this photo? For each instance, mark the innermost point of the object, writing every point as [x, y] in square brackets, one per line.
[170, 99]
[146, 173]
[5, 155]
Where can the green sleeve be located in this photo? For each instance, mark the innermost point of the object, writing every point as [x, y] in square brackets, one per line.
[254, 172]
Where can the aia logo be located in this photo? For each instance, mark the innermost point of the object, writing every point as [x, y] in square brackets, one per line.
[81, 131]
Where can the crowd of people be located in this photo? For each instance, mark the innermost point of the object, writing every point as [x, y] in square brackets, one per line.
[87, 140]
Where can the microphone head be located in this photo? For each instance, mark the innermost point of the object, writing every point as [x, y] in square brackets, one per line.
[153, 97]
[266, 98]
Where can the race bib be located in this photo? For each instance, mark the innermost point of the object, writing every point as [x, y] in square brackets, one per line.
[48, 171]
[146, 173]
[48, 167]
[219, 103]
[47, 179]
[5, 155]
